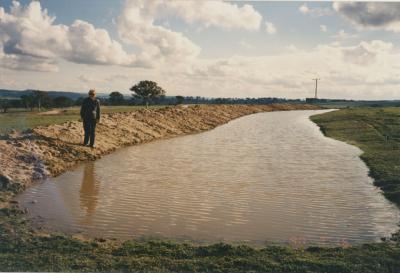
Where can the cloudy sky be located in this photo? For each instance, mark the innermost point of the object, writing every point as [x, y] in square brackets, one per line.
[203, 48]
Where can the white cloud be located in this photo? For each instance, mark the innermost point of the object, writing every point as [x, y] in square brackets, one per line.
[30, 40]
[371, 15]
[136, 26]
[304, 9]
[315, 12]
[355, 71]
[215, 13]
[367, 53]
[363, 70]
[270, 28]
[291, 48]
[342, 34]
[94, 46]
[86, 78]
[323, 28]
[245, 45]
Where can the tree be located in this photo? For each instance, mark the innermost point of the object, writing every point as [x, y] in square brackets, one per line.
[41, 98]
[62, 101]
[116, 98]
[79, 101]
[28, 101]
[147, 91]
[179, 99]
[4, 105]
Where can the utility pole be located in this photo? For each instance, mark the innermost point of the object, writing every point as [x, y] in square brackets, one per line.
[316, 87]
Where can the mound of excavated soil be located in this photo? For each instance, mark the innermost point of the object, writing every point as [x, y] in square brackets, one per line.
[50, 150]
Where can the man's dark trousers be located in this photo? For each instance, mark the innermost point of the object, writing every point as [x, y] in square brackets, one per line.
[90, 131]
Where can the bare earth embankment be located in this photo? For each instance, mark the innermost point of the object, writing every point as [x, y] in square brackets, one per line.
[50, 150]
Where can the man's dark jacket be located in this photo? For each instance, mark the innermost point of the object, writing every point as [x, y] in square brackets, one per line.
[90, 110]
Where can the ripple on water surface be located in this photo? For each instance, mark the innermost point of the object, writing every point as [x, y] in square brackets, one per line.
[264, 177]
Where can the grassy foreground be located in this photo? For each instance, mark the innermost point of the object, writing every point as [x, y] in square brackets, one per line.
[22, 250]
[376, 131]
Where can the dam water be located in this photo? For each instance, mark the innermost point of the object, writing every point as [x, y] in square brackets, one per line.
[267, 177]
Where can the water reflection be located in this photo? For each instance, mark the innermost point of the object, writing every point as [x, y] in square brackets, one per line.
[264, 177]
[89, 192]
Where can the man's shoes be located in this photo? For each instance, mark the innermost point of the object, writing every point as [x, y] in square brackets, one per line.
[89, 145]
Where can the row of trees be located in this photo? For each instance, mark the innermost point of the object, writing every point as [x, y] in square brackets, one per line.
[117, 98]
[143, 93]
[148, 91]
[37, 99]
[41, 99]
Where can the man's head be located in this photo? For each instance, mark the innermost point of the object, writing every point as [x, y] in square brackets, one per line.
[92, 94]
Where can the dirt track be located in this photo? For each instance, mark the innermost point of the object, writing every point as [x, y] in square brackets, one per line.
[50, 150]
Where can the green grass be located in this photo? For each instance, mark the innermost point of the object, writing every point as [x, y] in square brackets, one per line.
[348, 104]
[21, 120]
[376, 131]
[21, 251]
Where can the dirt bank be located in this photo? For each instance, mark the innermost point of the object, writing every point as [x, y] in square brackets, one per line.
[50, 150]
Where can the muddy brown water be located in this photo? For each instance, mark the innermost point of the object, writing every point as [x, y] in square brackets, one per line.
[267, 177]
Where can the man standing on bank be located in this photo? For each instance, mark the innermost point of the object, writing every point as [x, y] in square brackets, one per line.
[90, 114]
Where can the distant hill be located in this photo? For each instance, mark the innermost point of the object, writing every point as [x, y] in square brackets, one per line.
[16, 94]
